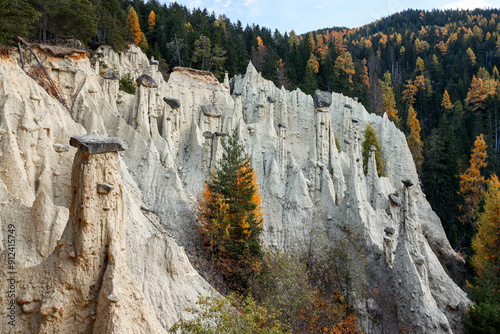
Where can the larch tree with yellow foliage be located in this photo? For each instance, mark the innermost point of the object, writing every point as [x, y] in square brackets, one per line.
[477, 94]
[231, 216]
[486, 242]
[472, 183]
[447, 105]
[414, 141]
[143, 44]
[133, 26]
[388, 100]
[151, 20]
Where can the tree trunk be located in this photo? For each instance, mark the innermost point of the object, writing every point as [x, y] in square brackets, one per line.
[74, 40]
[45, 25]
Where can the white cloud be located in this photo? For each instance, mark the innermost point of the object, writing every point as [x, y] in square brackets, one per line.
[318, 7]
[467, 4]
[227, 4]
[195, 4]
[248, 2]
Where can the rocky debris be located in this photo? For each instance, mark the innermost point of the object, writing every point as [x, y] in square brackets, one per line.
[104, 188]
[281, 125]
[173, 103]
[30, 127]
[146, 81]
[395, 200]
[322, 99]
[210, 110]
[372, 148]
[407, 183]
[348, 106]
[60, 148]
[220, 134]
[110, 75]
[454, 305]
[389, 230]
[271, 99]
[93, 143]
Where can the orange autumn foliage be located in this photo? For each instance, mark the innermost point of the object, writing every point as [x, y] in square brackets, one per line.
[486, 242]
[151, 20]
[472, 183]
[447, 105]
[409, 92]
[477, 94]
[133, 26]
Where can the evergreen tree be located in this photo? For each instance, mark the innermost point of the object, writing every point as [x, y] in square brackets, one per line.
[371, 140]
[231, 216]
[16, 19]
[78, 18]
[111, 24]
[202, 50]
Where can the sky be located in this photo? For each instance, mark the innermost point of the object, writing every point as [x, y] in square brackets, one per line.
[304, 16]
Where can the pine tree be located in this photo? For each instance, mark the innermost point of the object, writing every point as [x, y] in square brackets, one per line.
[16, 19]
[202, 50]
[133, 26]
[414, 142]
[472, 183]
[111, 24]
[372, 140]
[151, 20]
[231, 217]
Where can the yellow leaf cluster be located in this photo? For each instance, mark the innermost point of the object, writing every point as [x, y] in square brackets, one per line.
[414, 141]
[151, 20]
[472, 183]
[133, 26]
[447, 105]
[486, 243]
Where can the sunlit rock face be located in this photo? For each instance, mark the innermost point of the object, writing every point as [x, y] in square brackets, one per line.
[175, 130]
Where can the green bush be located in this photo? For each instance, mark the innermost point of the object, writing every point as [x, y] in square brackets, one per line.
[230, 316]
[371, 140]
[127, 84]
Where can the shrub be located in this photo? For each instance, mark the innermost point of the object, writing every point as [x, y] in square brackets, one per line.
[371, 140]
[231, 316]
[127, 84]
